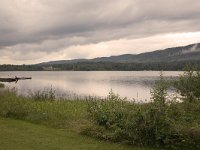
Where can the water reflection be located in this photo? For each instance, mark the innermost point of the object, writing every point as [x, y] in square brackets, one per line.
[130, 84]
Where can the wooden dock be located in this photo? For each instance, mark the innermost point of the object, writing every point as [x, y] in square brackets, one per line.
[14, 79]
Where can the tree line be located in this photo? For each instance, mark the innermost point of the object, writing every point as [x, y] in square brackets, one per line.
[101, 66]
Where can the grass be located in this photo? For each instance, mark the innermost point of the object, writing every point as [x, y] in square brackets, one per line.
[20, 135]
[58, 114]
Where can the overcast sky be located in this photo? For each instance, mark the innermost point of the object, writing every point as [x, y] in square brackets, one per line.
[33, 31]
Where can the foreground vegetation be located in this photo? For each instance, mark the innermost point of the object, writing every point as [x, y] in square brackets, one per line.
[163, 122]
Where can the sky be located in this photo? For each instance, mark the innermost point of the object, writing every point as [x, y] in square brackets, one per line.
[34, 31]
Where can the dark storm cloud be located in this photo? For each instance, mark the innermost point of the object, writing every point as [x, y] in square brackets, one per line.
[50, 25]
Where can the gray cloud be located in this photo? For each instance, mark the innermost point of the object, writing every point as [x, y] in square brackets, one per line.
[47, 26]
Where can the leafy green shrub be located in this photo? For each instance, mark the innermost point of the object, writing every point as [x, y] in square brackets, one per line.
[159, 92]
[157, 123]
[110, 113]
[107, 112]
[139, 124]
[188, 84]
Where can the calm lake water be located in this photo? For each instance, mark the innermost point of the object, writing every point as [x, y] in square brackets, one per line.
[130, 84]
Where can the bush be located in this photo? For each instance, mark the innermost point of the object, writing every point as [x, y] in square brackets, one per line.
[139, 124]
[188, 84]
[108, 111]
[158, 123]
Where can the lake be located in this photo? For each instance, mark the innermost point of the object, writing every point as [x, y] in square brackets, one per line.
[130, 84]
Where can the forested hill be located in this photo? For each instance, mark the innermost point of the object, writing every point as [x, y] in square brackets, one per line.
[175, 58]
[184, 53]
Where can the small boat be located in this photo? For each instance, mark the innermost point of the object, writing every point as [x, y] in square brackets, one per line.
[14, 79]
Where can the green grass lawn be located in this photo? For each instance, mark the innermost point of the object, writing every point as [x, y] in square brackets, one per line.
[20, 135]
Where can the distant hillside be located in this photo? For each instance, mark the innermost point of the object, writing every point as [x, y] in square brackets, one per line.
[175, 58]
[175, 54]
